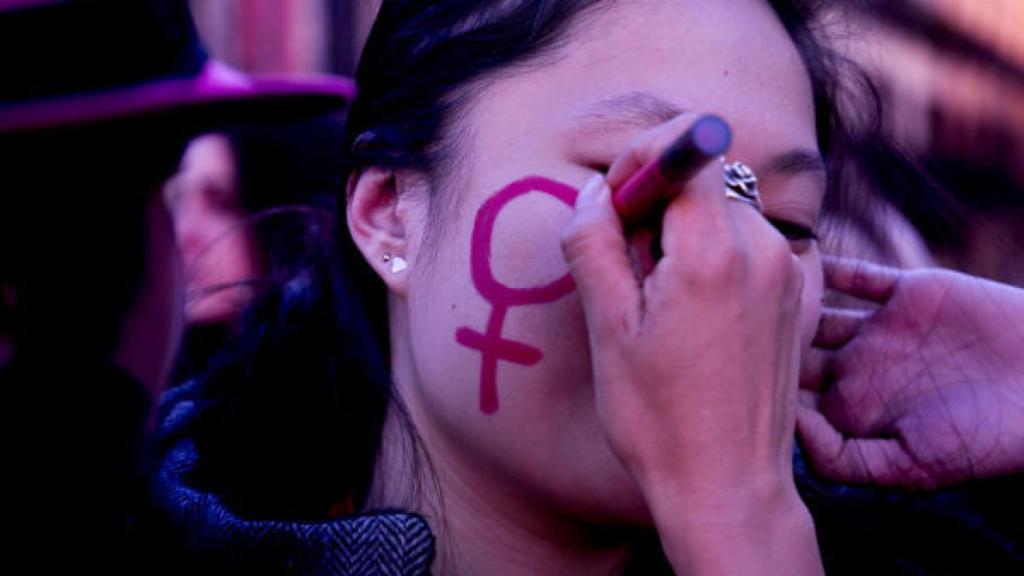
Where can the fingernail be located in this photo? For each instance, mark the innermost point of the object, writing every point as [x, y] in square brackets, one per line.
[590, 192]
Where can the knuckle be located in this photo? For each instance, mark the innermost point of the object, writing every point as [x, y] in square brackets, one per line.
[779, 257]
[587, 243]
[724, 266]
[615, 328]
[846, 407]
[860, 277]
[577, 237]
[774, 266]
[830, 464]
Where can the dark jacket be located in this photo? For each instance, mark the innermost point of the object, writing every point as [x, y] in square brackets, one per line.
[214, 539]
[74, 432]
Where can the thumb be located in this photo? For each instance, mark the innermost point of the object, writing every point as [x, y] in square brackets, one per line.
[596, 251]
[877, 461]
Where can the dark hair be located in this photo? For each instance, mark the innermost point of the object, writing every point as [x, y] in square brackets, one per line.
[287, 163]
[419, 61]
[288, 177]
[288, 173]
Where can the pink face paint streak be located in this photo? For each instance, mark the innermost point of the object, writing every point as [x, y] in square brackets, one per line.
[491, 345]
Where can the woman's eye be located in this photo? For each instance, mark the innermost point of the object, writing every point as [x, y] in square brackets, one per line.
[795, 233]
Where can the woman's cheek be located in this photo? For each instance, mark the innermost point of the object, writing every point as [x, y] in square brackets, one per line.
[517, 268]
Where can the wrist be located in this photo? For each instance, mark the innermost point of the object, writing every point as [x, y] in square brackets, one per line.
[752, 529]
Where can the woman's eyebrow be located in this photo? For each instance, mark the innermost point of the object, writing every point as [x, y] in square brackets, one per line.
[640, 110]
[632, 110]
[795, 162]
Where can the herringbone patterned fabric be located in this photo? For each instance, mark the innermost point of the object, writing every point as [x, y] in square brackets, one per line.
[386, 543]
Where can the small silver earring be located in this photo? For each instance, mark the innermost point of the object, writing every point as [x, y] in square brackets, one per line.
[398, 263]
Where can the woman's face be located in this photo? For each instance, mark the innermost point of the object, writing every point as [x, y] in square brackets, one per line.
[216, 248]
[499, 380]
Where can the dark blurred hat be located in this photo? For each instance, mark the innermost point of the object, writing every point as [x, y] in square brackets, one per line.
[74, 62]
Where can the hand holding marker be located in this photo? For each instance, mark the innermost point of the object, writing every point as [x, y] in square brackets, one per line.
[708, 138]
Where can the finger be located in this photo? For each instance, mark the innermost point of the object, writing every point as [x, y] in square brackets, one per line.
[878, 461]
[860, 279]
[793, 324]
[645, 148]
[838, 326]
[861, 405]
[778, 274]
[698, 224]
[769, 252]
[817, 369]
[597, 254]
[808, 399]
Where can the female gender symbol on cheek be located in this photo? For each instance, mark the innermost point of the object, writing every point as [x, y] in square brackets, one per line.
[491, 345]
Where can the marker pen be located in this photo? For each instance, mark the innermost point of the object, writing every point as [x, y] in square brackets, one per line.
[708, 138]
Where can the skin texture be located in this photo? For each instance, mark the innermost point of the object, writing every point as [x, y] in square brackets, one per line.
[209, 223]
[545, 484]
[927, 389]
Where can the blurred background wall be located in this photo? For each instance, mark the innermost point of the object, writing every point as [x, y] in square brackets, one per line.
[284, 35]
[951, 73]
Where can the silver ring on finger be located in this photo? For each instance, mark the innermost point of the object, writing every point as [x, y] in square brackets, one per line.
[741, 185]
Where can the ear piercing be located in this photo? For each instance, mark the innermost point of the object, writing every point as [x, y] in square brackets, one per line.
[398, 264]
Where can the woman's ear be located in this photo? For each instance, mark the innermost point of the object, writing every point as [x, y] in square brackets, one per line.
[378, 221]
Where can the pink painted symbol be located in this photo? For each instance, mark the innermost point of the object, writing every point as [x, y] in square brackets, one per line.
[491, 345]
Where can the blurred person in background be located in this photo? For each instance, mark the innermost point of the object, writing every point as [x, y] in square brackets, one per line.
[243, 201]
[97, 102]
[218, 251]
